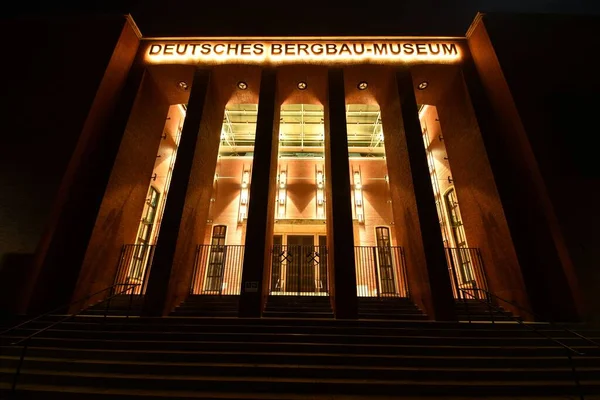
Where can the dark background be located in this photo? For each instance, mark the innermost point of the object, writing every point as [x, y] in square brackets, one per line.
[234, 17]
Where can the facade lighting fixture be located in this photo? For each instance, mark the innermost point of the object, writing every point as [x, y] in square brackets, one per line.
[423, 85]
[362, 85]
[242, 85]
[302, 85]
[183, 85]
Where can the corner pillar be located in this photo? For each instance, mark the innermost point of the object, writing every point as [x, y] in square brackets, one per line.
[61, 252]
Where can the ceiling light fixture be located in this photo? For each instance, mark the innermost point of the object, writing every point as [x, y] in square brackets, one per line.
[423, 85]
[242, 85]
[183, 85]
[362, 85]
[302, 85]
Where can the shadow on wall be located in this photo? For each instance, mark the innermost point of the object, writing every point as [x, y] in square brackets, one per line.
[15, 268]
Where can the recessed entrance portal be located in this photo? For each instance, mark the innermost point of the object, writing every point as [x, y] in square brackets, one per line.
[299, 267]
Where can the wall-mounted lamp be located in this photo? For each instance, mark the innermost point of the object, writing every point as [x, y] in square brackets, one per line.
[362, 85]
[358, 198]
[423, 85]
[281, 193]
[320, 181]
[242, 85]
[302, 85]
[244, 196]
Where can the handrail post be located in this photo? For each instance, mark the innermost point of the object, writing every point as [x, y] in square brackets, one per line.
[466, 303]
[376, 267]
[130, 302]
[19, 366]
[575, 376]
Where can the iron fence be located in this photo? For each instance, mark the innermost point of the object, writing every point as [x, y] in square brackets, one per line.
[467, 273]
[134, 266]
[217, 269]
[380, 271]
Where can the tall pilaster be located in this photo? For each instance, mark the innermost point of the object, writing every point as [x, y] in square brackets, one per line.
[261, 212]
[61, 251]
[192, 138]
[340, 233]
[442, 302]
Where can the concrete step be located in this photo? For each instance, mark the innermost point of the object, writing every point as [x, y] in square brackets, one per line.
[291, 337]
[310, 346]
[382, 360]
[298, 314]
[298, 385]
[283, 370]
[406, 328]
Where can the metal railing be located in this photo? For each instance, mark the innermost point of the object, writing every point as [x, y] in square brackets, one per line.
[299, 270]
[217, 270]
[466, 270]
[380, 271]
[134, 266]
[24, 342]
[488, 298]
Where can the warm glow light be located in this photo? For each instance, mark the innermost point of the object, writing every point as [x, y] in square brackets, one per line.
[358, 198]
[302, 51]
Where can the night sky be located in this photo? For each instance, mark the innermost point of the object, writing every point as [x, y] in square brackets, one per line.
[234, 17]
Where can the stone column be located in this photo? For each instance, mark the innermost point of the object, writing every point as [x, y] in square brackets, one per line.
[340, 234]
[191, 138]
[261, 208]
[442, 302]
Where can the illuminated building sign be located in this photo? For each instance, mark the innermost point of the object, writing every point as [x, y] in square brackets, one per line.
[191, 52]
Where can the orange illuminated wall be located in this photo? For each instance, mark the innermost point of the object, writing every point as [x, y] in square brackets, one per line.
[377, 204]
[225, 202]
[165, 158]
[301, 188]
[439, 166]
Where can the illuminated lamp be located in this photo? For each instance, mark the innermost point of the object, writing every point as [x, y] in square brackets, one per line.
[183, 85]
[423, 85]
[362, 85]
[242, 85]
[302, 85]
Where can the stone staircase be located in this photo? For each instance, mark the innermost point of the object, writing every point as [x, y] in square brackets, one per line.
[121, 305]
[273, 358]
[298, 307]
[389, 308]
[475, 310]
[208, 306]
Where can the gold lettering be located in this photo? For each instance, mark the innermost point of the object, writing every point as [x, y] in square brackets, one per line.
[155, 49]
[317, 49]
[380, 49]
[345, 49]
[276, 49]
[221, 46]
[449, 49]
